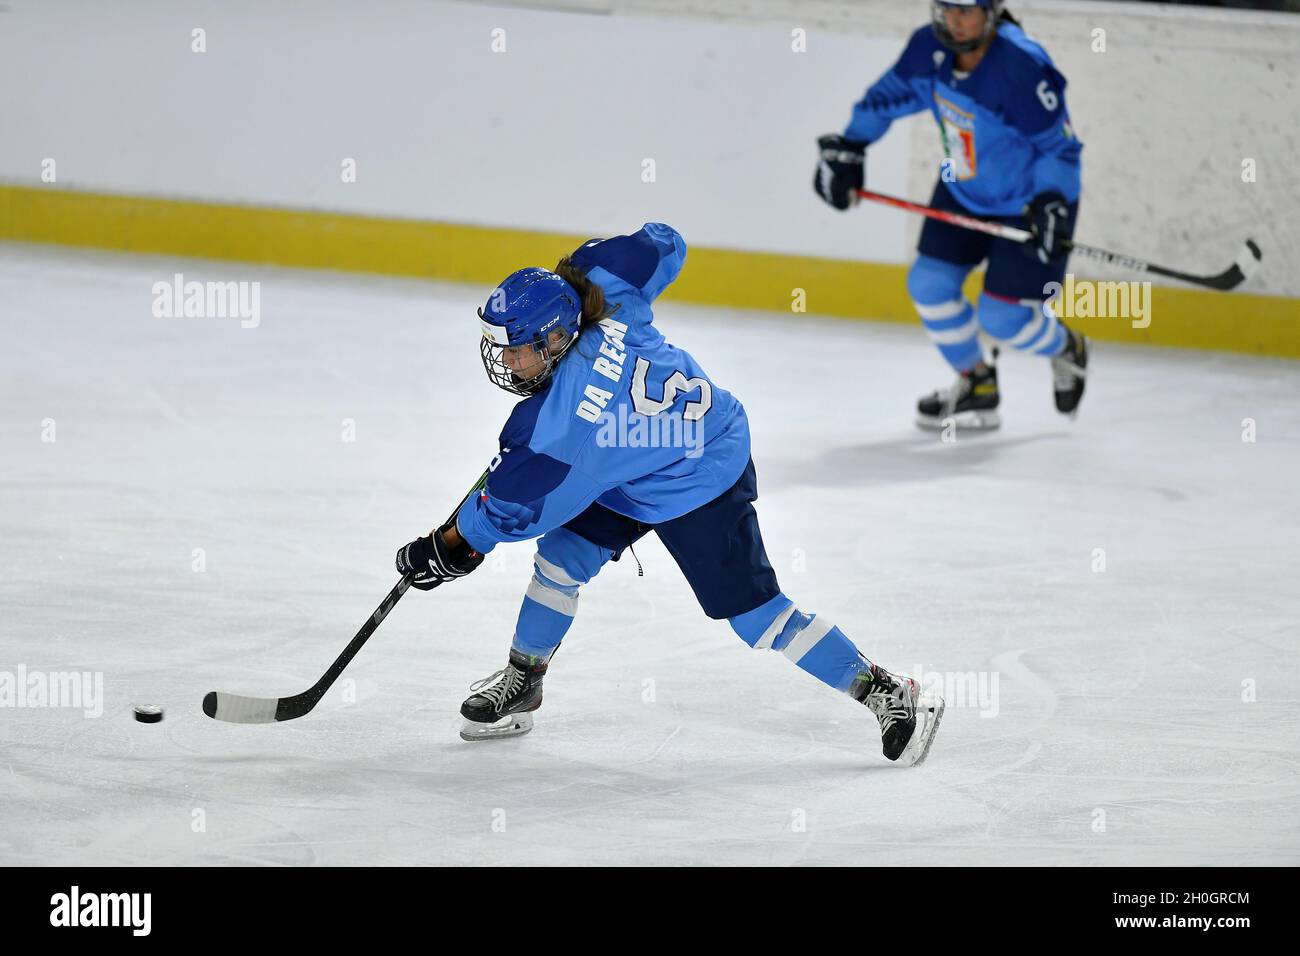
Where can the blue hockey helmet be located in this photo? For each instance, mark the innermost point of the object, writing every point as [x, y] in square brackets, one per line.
[992, 13]
[529, 322]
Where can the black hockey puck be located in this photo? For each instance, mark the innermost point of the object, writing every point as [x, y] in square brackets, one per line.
[148, 715]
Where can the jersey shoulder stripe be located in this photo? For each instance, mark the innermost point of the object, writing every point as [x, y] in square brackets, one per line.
[519, 427]
[918, 59]
[524, 476]
[644, 263]
[1021, 46]
[631, 258]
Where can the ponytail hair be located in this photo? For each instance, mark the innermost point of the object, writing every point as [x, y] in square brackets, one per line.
[1006, 17]
[594, 307]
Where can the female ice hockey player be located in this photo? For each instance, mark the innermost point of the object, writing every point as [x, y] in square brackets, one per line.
[575, 469]
[1012, 156]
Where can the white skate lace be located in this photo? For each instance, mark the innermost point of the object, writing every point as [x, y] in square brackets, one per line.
[511, 680]
[889, 707]
[1064, 372]
[954, 393]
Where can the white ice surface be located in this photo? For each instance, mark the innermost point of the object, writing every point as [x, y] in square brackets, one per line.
[663, 739]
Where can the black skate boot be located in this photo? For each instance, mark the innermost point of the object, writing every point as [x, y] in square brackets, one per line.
[505, 708]
[908, 721]
[971, 402]
[1069, 372]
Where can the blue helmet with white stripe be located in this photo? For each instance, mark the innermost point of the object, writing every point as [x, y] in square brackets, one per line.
[938, 20]
[529, 322]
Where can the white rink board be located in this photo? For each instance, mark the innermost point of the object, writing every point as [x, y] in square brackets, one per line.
[552, 133]
[1118, 692]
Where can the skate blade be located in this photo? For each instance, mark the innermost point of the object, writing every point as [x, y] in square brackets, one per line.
[918, 748]
[969, 421]
[512, 725]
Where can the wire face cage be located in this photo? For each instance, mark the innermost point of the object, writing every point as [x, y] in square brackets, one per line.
[536, 359]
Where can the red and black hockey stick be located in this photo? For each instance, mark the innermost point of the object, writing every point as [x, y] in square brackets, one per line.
[237, 709]
[1229, 278]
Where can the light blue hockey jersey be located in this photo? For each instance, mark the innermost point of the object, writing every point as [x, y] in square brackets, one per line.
[1005, 126]
[626, 419]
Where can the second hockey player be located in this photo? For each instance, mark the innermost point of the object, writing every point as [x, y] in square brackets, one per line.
[1011, 156]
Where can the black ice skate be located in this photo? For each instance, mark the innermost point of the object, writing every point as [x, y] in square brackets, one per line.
[1069, 372]
[908, 720]
[505, 708]
[971, 403]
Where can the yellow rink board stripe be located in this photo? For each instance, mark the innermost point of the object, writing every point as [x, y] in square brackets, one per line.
[1264, 325]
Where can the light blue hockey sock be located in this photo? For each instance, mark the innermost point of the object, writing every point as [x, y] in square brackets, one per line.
[947, 317]
[544, 617]
[809, 640]
[1028, 328]
[564, 562]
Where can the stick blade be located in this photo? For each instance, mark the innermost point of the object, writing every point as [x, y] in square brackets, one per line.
[1250, 259]
[1239, 271]
[235, 709]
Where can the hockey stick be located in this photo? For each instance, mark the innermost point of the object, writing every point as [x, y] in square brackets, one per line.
[1229, 278]
[237, 709]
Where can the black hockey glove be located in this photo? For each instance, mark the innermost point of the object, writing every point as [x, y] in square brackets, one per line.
[840, 170]
[1049, 217]
[433, 563]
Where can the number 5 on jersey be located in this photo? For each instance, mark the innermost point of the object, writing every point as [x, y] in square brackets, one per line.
[674, 384]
